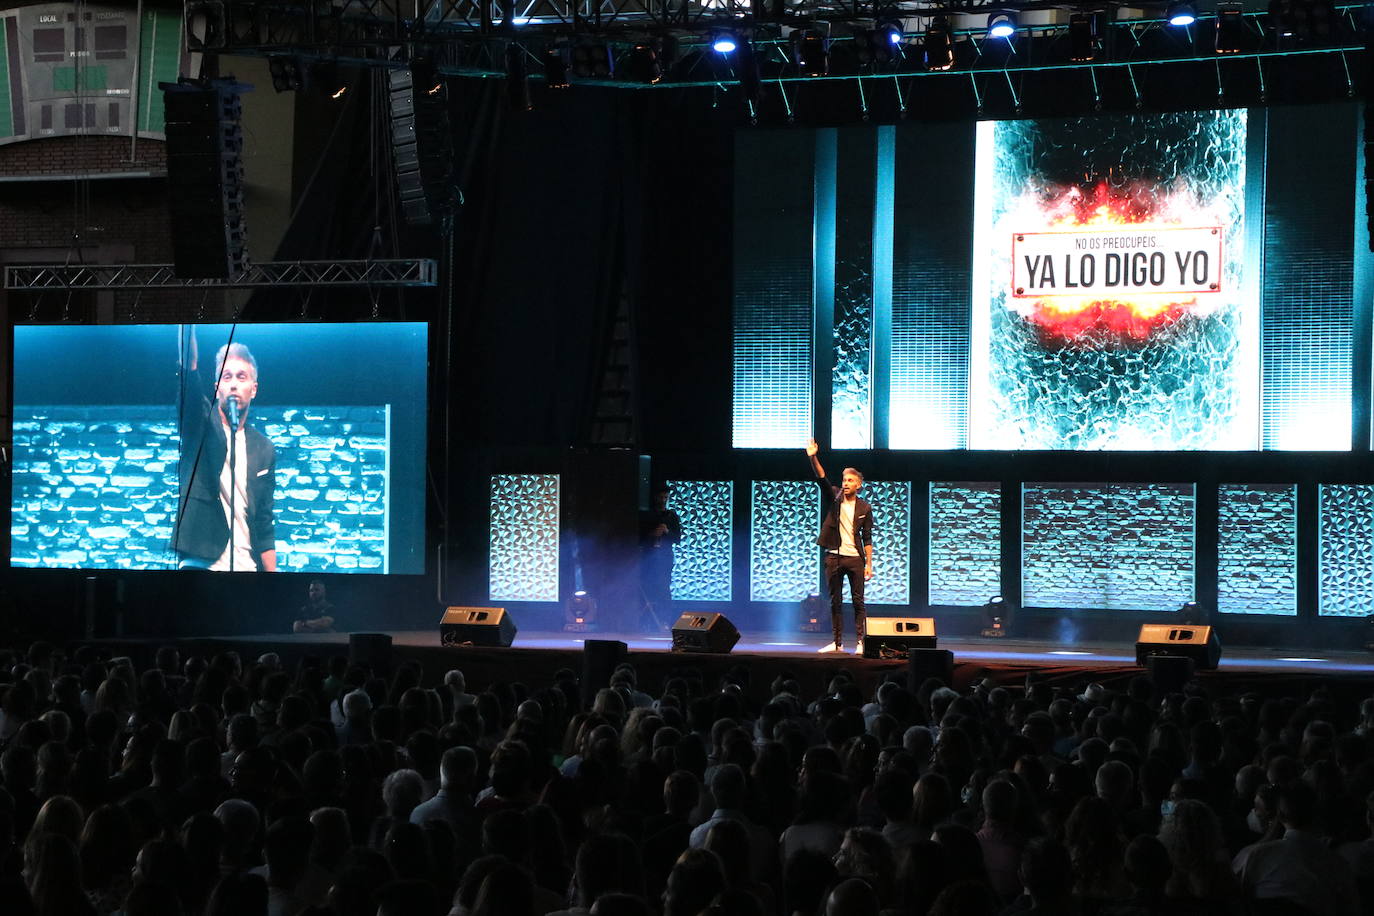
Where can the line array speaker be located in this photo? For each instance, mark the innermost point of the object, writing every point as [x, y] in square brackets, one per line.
[421, 145]
[205, 178]
[476, 626]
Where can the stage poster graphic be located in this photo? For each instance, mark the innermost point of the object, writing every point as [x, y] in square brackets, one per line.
[1111, 303]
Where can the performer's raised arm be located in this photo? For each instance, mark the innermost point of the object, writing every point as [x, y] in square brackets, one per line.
[811, 452]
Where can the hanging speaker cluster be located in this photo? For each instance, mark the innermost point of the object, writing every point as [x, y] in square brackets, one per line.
[205, 175]
[422, 145]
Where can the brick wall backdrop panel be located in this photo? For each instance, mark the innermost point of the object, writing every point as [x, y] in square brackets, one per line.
[1107, 547]
[96, 487]
[1257, 549]
[965, 543]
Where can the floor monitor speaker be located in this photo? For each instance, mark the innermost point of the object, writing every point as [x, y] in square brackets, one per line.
[476, 626]
[1196, 642]
[893, 637]
[704, 633]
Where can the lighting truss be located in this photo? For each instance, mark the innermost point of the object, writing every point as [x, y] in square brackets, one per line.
[474, 37]
[389, 273]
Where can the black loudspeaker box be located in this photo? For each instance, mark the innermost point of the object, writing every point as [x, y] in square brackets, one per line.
[599, 658]
[892, 637]
[370, 650]
[1195, 642]
[704, 633]
[1169, 672]
[476, 626]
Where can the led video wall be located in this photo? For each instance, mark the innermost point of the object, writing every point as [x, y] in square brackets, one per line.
[1174, 282]
[243, 448]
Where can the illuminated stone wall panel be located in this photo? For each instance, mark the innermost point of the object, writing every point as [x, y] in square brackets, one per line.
[1108, 546]
[1257, 549]
[965, 543]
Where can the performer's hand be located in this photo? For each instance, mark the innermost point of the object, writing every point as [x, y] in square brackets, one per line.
[812, 448]
[868, 571]
[660, 531]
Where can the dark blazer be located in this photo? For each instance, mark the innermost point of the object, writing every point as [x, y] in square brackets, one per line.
[830, 528]
[201, 530]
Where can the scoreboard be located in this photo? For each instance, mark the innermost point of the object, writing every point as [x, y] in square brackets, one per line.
[68, 70]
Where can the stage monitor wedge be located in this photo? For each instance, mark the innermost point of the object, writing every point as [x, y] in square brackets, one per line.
[476, 626]
[893, 637]
[1200, 643]
[708, 632]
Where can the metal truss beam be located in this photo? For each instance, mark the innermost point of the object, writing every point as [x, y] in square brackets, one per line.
[474, 37]
[392, 273]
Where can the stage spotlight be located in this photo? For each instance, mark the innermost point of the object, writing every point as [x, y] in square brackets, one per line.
[592, 60]
[287, 73]
[1082, 37]
[1001, 24]
[1230, 27]
[815, 614]
[1192, 614]
[997, 615]
[811, 51]
[724, 41]
[579, 612]
[555, 68]
[879, 45]
[938, 45]
[1180, 13]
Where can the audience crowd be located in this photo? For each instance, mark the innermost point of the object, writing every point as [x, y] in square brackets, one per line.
[223, 787]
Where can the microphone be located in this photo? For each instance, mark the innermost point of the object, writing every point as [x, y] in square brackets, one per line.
[232, 407]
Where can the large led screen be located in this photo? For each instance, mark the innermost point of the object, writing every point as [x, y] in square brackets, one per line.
[244, 448]
[1110, 308]
[1181, 281]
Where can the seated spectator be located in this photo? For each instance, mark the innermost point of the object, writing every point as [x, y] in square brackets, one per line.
[694, 882]
[1300, 867]
[1002, 843]
[729, 788]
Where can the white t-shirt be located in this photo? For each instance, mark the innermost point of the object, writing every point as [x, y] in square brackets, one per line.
[847, 548]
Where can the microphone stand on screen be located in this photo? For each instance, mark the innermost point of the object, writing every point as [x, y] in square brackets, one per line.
[233, 406]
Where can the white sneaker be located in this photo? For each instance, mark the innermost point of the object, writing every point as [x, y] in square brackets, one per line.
[832, 647]
[859, 647]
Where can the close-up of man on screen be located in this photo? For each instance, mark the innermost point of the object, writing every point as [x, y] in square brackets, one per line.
[225, 519]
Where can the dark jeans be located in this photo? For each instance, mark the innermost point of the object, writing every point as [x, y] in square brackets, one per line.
[836, 569]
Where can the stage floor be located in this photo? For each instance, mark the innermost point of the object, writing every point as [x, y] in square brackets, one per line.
[804, 646]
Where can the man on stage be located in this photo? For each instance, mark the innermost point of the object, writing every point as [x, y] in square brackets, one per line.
[659, 529]
[228, 479]
[847, 539]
